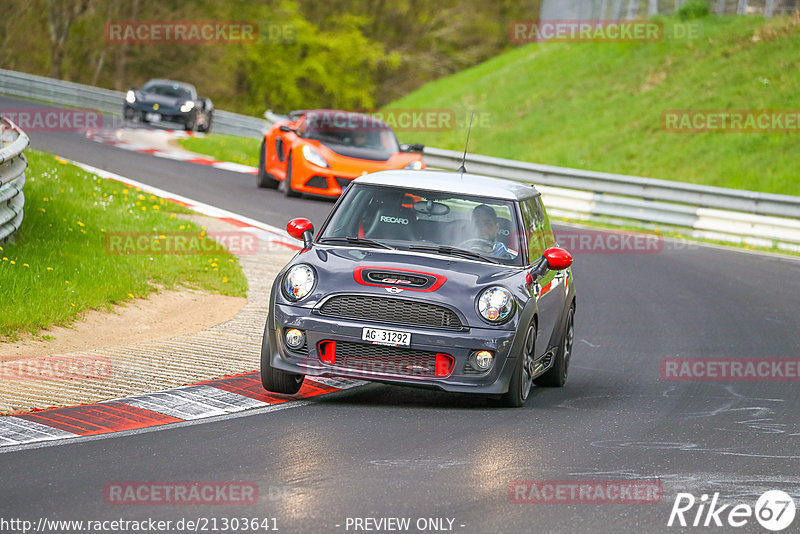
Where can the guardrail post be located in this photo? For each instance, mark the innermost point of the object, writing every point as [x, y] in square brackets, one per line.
[12, 177]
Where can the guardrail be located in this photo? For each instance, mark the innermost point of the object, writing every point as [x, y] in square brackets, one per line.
[759, 219]
[106, 101]
[12, 177]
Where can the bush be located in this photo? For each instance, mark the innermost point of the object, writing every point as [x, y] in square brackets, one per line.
[693, 9]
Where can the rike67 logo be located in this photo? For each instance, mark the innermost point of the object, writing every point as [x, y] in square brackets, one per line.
[774, 510]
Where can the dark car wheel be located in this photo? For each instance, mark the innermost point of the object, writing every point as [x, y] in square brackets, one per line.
[205, 128]
[128, 113]
[190, 125]
[278, 381]
[520, 386]
[286, 184]
[556, 376]
[264, 179]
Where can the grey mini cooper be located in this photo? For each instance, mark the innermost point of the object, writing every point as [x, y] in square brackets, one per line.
[433, 279]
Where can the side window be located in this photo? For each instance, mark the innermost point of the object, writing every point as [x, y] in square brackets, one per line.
[538, 233]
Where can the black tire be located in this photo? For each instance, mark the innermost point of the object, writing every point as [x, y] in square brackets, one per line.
[207, 126]
[128, 113]
[263, 178]
[278, 381]
[556, 376]
[520, 386]
[286, 184]
[190, 125]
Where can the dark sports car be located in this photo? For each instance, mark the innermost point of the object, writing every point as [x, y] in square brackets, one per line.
[169, 101]
[433, 279]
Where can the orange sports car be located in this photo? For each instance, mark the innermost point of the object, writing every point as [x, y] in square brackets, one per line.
[319, 152]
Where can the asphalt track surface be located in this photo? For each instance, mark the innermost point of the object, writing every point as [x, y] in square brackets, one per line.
[378, 451]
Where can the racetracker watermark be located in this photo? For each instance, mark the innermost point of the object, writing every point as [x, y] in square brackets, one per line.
[731, 369]
[56, 368]
[599, 31]
[731, 120]
[400, 120]
[180, 243]
[181, 493]
[586, 492]
[53, 119]
[180, 31]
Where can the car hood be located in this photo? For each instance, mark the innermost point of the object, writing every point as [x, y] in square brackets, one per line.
[453, 282]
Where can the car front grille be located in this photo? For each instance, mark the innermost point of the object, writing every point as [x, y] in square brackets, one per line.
[342, 181]
[381, 359]
[389, 310]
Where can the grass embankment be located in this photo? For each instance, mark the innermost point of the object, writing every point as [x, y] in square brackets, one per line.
[223, 147]
[598, 106]
[59, 264]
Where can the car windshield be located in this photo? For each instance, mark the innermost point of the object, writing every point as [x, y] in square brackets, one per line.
[170, 90]
[453, 224]
[353, 130]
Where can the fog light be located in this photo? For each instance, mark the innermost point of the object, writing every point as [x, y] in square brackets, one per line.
[483, 359]
[294, 338]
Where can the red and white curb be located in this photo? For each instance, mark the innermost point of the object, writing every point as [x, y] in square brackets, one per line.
[116, 138]
[199, 401]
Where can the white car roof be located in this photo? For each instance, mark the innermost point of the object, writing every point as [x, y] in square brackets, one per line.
[451, 182]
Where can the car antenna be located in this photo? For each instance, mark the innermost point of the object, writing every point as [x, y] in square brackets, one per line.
[463, 169]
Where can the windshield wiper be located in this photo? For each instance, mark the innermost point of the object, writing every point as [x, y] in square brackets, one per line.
[455, 251]
[357, 241]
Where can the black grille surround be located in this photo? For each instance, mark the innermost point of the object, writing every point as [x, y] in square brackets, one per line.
[381, 359]
[390, 310]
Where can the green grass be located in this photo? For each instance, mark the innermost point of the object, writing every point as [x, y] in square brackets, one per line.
[243, 150]
[58, 266]
[598, 106]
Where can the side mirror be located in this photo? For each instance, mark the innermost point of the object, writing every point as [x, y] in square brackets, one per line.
[301, 228]
[553, 259]
[416, 147]
[558, 259]
[287, 129]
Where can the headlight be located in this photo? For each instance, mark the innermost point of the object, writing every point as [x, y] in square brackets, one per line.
[130, 97]
[313, 156]
[187, 106]
[298, 282]
[414, 166]
[496, 304]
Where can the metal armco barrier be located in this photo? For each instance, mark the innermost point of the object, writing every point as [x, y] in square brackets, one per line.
[12, 177]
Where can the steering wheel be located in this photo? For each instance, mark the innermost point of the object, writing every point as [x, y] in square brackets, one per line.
[475, 243]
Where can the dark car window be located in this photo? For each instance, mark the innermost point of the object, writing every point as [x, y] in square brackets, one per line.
[538, 233]
[169, 90]
[402, 217]
[350, 130]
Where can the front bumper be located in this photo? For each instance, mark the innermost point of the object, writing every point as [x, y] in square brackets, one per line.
[167, 114]
[321, 181]
[460, 345]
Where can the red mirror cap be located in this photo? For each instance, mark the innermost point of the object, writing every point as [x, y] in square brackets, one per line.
[297, 227]
[558, 259]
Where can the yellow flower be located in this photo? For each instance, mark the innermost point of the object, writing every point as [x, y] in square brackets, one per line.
[144, 208]
[72, 305]
[216, 269]
[224, 279]
[155, 206]
[26, 265]
[102, 229]
[202, 234]
[124, 191]
[44, 199]
[214, 265]
[81, 224]
[49, 268]
[13, 262]
[66, 281]
[131, 295]
[138, 203]
[152, 197]
[140, 197]
[42, 210]
[230, 260]
[183, 227]
[1, 248]
[6, 259]
[172, 216]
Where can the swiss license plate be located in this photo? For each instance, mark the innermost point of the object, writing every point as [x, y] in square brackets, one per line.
[386, 337]
[153, 117]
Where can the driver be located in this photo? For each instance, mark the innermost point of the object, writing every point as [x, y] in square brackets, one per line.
[484, 219]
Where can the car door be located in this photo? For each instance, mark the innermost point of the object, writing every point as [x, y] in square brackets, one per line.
[548, 290]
